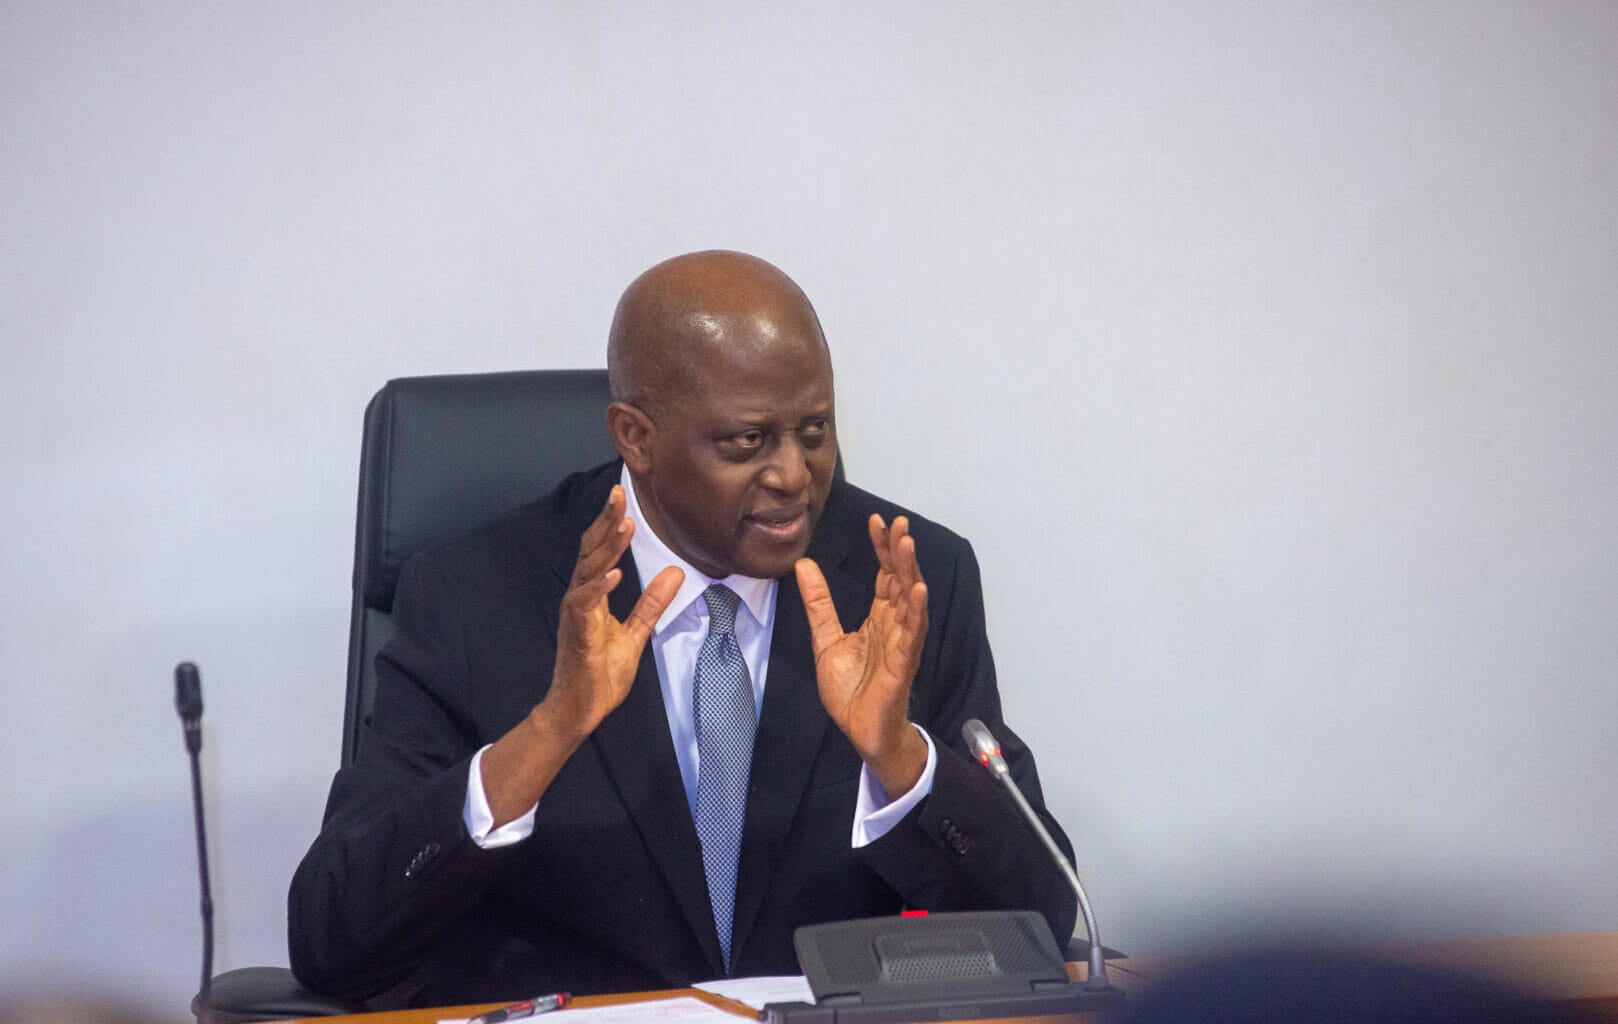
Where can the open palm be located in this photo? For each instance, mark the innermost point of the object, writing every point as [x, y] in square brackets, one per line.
[864, 676]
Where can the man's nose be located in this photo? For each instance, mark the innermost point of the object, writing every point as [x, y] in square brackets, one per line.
[788, 468]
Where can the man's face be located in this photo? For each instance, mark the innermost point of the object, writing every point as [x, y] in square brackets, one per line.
[739, 470]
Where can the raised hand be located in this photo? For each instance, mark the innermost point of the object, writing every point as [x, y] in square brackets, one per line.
[864, 676]
[596, 660]
[596, 655]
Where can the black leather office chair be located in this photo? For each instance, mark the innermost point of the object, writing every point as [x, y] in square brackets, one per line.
[440, 456]
[446, 454]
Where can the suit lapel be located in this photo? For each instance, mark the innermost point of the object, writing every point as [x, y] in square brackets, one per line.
[634, 745]
[791, 726]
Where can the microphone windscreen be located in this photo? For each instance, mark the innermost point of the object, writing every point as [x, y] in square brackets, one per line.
[978, 739]
[187, 691]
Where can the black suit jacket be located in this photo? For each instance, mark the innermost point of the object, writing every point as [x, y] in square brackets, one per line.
[608, 893]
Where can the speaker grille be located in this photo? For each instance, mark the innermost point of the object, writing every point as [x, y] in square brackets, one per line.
[913, 964]
[869, 955]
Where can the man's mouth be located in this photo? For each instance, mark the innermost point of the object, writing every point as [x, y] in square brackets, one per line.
[781, 524]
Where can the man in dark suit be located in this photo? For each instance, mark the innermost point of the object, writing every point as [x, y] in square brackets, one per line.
[594, 772]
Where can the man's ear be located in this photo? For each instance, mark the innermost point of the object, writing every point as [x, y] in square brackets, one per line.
[631, 431]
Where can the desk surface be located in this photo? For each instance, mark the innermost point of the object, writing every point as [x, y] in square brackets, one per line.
[1581, 969]
[1124, 979]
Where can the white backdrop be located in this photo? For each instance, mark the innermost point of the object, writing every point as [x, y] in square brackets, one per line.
[1267, 353]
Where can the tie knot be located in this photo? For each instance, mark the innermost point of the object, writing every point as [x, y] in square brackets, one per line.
[722, 602]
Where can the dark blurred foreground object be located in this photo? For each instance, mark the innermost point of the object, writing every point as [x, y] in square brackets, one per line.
[1332, 987]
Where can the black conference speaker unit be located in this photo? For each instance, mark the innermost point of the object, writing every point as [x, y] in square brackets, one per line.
[958, 966]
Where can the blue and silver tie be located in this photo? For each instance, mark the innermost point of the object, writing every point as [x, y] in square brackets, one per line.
[723, 707]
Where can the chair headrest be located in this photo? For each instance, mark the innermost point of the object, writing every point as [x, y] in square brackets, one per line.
[445, 454]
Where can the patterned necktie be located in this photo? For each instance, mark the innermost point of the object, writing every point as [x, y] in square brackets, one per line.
[723, 707]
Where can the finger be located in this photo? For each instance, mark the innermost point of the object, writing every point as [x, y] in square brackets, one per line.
[605, 540]
[593, 580]
[612, 512]
[585, 594]
[880, 541]
[606, 525]
[898, 531]
[903, 651]
[825, 628]
[654, 600]
[906, 569]
[883, 538]
[913, 623]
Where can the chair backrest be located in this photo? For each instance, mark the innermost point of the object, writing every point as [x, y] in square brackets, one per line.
[443, 455]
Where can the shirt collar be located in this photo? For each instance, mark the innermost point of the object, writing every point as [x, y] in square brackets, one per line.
[652, 556]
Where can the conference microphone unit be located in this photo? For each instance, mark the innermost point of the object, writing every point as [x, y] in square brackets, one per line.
[188, 702]
[986, 749]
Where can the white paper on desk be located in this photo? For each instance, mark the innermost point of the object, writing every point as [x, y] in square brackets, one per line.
[755, 992]
[680, 1010]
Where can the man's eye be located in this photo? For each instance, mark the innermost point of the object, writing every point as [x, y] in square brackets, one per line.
[813, 434]
[750, 440]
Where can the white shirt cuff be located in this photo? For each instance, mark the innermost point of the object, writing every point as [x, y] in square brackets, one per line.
[480, 820]
[874, 813]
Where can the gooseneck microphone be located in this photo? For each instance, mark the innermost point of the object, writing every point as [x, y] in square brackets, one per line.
[986, 749]
[188, 702]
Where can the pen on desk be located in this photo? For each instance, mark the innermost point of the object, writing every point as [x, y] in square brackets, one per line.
[526, 1008]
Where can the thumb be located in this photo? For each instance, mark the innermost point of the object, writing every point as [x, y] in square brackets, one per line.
[824, 626]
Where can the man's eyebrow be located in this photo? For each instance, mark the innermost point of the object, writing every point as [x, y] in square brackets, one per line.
[740, 425]
[767, 420]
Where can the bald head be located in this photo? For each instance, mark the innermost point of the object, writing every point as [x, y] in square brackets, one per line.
[677, 313]
[723, 411]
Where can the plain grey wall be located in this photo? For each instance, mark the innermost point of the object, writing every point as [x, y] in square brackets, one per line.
[1266, 351]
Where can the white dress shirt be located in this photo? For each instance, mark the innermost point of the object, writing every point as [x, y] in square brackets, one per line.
[675, 641]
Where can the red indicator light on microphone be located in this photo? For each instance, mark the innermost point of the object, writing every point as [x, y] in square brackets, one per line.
[912, 913]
